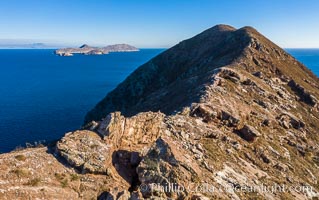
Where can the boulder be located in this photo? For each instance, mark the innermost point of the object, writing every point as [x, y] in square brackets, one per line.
[85, 150]
[258, 74]
[230, 75]
[210, 114]
[162, 167]
[232, 119]
[249, 133]
[288, 120]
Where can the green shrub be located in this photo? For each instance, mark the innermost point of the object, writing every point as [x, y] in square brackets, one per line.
[20, 157]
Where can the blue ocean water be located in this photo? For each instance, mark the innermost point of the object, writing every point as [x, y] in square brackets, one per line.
[43, 96]
[309, 57]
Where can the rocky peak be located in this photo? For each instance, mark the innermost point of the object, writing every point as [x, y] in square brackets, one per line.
[177, 77]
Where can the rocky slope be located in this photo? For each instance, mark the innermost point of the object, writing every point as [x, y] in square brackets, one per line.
[88, 50]
[222, 115]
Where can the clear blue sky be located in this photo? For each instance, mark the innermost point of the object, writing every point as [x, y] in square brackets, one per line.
[150, 23]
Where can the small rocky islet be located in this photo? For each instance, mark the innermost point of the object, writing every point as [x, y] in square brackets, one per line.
[227, 108]
[88, 50]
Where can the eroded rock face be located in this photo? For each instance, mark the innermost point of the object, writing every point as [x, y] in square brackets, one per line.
[164, 166]
[93, 152]
[85, 150]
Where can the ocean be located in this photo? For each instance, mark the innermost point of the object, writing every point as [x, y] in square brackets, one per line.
[43, 96]
[308, 57]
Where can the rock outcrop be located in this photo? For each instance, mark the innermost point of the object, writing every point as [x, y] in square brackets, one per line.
[222, 115]
[88, 50]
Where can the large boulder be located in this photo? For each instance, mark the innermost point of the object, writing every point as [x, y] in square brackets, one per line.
[249, 133]
[165, 166]
[85, 150]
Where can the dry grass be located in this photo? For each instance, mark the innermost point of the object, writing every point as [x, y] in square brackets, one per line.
[34, 182]
[21, 172]
[74, 177]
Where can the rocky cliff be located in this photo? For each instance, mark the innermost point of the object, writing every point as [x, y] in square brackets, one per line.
[222, 115]
[88, 50]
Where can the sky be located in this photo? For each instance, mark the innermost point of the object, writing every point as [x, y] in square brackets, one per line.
[154, 24]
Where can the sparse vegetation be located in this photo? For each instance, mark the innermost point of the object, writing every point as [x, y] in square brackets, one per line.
[64, 183]
[59, 176]
[93, 146]
[62, 178]
[74, 177]
[34, 182]
[20, 157]
[21, 172]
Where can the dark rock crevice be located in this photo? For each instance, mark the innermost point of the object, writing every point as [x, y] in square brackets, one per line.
[125, 163]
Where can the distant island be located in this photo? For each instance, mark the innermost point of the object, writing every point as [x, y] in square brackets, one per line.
[88, 50]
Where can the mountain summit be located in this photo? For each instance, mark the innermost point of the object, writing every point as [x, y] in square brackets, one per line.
[176, 78]
[226, 114]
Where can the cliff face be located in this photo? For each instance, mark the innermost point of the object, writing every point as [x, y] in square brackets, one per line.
[224, 110]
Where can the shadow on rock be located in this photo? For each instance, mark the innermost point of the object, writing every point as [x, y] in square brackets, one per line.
[125, 162]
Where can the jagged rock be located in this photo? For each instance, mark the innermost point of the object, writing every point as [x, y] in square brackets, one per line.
[210, 113]
[304, 95]
[288, 120]
[84, 150]
[301, 149]
[248, 81]
[205, 111]
[262, 103]
[266, 122]
[266, 158]
[113, 123]
[164, 166]
[249, 133]
[231, 75]
[237, 146]
[92, 125]
[232, 119]
[258, 74]
[281, 167]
